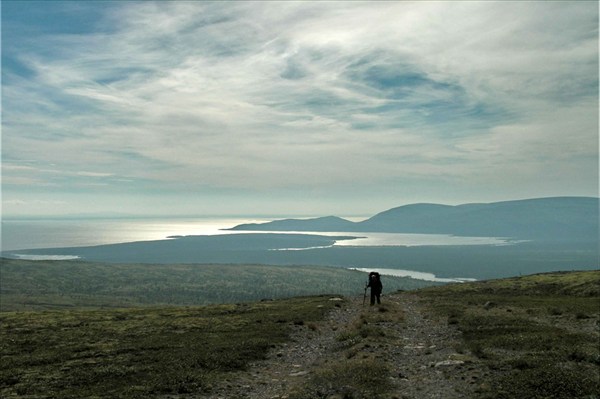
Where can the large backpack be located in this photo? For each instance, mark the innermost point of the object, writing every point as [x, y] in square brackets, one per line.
[374, 279]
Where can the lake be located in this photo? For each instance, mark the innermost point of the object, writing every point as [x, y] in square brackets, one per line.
[57, 233]
[46, 233]
[413, 274]
[203, 242]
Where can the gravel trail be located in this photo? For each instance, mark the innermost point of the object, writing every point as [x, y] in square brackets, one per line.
[424, 356]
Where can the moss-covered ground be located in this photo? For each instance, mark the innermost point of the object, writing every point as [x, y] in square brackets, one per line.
[540, 333]
[143, 352]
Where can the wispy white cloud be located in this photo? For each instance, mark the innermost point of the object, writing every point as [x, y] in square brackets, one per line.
[94, 174]
[249, 95]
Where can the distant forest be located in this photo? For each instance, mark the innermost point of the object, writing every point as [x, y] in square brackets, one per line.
[36, 285]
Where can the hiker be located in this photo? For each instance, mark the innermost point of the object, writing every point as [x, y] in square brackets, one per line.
[376, 287]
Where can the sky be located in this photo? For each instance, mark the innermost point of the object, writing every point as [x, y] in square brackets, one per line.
[294, 108]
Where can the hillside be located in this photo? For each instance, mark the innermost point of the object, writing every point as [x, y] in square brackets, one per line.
[40, 285]
[533, 337]
[327, 223]
[558, 218]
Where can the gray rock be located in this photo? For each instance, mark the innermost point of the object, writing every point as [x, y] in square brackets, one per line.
[445, 363]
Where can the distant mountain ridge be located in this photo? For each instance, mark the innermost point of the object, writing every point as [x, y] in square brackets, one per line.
[553, 218]
[326, 223]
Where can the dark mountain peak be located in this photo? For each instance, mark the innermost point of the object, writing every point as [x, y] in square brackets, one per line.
[419, 207]
[554, 218]
[564, 218]
[330, 218]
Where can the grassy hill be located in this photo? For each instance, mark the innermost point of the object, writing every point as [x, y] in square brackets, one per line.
[537, 334]
[141, 352]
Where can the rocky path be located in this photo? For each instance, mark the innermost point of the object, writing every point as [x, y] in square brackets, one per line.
[423, 356]
[291, 363]
[427, 358]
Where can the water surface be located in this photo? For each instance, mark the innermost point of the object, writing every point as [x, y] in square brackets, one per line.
[414, 274]
[33, 234]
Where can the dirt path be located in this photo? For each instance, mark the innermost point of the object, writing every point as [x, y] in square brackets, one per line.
[291, 363]
[423, 356]
[427, 358]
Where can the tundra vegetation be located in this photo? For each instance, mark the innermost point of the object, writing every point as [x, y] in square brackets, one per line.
[38, 285]
[539, 334]
[141, 352]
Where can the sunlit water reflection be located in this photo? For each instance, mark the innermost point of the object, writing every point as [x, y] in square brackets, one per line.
[414, 274]
[31, 234]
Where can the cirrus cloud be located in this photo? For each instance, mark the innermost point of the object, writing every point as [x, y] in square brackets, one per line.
[301, 96]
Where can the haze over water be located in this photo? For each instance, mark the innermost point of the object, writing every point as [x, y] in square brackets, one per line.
[56, 233]
[30, 234]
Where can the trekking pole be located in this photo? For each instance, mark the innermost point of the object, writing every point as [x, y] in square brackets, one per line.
[365, 296]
